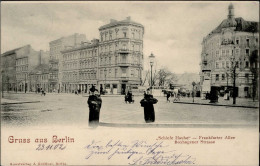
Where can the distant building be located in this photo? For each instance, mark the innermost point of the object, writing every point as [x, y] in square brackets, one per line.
[120, 55]
[16, 65]
[233, 41]
[80, 65]
[186, 80]
[39, 78]
[56, 47]
[8, 70]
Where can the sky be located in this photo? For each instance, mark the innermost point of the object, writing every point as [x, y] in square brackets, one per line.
[173, 30]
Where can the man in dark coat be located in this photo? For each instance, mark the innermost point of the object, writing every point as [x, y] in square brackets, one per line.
[147, 103]
[94, 103]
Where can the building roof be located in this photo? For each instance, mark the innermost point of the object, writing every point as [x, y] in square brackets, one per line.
[81, 47]
[239, 25]
[13, 50]
[127, 21]
[42, 68]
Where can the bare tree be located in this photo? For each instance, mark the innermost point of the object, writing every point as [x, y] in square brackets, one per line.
[164, 77]
[255, 72]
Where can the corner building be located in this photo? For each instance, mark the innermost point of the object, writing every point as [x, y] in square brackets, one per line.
[120, 56]
[237, 38]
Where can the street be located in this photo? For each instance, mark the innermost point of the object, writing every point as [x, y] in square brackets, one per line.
[70, 109]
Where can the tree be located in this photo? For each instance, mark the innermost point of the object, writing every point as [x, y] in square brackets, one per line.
[164, 77]
[232, 72]
[255, 72]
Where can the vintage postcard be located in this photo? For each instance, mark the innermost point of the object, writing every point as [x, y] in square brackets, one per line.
[129, 83]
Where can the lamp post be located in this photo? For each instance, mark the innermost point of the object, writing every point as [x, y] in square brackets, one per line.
[193, 84]
[105, 72]
[151, 58]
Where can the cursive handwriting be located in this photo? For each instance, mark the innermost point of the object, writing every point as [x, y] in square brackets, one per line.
[138, 152]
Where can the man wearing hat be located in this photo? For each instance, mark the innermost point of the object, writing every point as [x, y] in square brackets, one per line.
[94, 103]
[147, 102]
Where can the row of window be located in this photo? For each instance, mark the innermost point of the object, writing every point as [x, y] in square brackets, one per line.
[88, 53]
[54, 65]
[104, 73]
[87, 75]
[227, 64]
[88, 64]
[54, 76]
[54, 57]
[21, 68]
[227, 76]
[74, 76]
[236, 42]
[116, 47]
[39, 77]
[22, 61]
[22, 76]
[110, 36]
[116, 60]
[228, 52]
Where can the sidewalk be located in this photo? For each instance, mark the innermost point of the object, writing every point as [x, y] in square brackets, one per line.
[8, 101]
[240, 102]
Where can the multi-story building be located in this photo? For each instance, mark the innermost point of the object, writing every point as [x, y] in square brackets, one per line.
[26, 60]
[8, 70]
[17, 65]
[56, 47]
[227, 49]
[80, 67]
[39, 78]
[120, 55]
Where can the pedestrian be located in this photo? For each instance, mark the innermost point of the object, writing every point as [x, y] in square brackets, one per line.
[43, 93]
[94, 103]
[168, 96]
[147, 102]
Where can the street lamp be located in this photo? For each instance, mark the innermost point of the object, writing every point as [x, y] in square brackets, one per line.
[105, 72]
[151, 58]
[193, 84]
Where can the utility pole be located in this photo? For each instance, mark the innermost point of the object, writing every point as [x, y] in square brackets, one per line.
[234, 84]
[25, 83]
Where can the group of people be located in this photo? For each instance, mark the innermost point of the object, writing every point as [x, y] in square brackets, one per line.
[174, 96]
[95, 103]
[129, 97]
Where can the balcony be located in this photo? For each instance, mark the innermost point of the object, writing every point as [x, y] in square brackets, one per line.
[124, 78]
[123, 50]
[123, 64]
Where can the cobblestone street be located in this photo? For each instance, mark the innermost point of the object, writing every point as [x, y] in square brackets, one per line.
[70, 109]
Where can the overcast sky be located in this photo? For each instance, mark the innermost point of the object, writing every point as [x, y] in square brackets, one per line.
[173, 30]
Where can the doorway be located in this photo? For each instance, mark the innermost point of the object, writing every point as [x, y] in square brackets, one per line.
[123, 89]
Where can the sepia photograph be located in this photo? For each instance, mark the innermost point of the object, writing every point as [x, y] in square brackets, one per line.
[129, 83]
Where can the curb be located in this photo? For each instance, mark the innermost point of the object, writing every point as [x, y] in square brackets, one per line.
[176, 125]
[20, 102]
[217, 105]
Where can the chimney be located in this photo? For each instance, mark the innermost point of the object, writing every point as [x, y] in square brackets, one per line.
[113, 20]
[40, 57]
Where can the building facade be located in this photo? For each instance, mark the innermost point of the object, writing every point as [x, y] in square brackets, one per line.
[226, 52]
[39, 78]
[120, 55]
[55, 61]
[26, 60]
[80, 65]
[8, 70]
